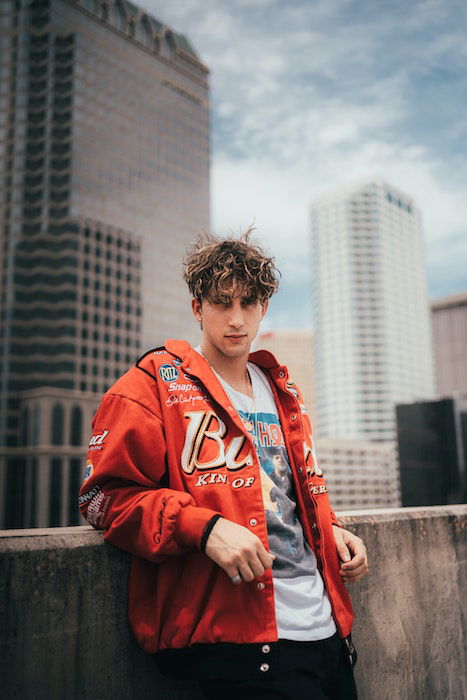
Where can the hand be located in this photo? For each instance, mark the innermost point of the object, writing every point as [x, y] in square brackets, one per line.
[237, 550]
[352, 553]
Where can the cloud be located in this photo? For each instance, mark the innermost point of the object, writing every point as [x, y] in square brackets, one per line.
[310, 96]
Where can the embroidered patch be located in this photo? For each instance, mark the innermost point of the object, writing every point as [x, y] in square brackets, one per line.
[168, 373]
[89, 469]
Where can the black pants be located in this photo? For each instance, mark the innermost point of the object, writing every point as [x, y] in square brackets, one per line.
[306, 671]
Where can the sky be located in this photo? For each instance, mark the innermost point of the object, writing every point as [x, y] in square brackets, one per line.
[309, 96]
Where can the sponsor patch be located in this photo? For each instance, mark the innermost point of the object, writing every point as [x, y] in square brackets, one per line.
[177, 362]
[168, 373]
[89, 495]
[97, 509]
[97, 441]
[89, 469]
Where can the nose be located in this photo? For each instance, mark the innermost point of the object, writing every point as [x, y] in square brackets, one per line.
[236, 315]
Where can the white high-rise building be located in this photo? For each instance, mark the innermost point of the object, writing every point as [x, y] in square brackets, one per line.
[373, 344]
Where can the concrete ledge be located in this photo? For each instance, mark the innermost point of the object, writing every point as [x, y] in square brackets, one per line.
[64, 633]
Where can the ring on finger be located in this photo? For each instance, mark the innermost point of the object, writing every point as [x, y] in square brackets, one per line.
[236, 579]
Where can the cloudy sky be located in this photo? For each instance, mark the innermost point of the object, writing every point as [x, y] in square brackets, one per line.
[311, 95]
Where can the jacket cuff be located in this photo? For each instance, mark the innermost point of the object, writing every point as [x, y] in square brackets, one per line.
[191, 524]
[334, 520]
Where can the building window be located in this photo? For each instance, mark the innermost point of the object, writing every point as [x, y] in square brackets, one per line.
[15, 488]
[76, 427]
[24, 426]
[74, 484]
[56, 433]
[55, 492]
[36, 424]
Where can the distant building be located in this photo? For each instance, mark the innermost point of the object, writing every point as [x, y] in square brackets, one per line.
[104, 160]
[360, 473]
[42, 479]
[432, 437]
[449, 320]
[371, 319]
[293, 348]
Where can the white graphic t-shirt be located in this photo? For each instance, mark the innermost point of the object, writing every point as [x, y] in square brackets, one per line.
[303, 611]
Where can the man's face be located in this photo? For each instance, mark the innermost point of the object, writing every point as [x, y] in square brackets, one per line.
[230, 322]
[278, 464]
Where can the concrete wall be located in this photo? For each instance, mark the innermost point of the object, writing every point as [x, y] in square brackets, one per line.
[64, 634]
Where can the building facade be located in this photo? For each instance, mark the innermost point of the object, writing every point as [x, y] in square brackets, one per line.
[432, 438]
[449, 321]
[370, 310]
[360, 473]
[104, 162]
[293, 348]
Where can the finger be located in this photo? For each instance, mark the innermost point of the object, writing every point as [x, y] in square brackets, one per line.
[355, 573]
[231, 572]
[357, 560]
[256, 566]
[245, 572]
[343, 551]
[266, 558]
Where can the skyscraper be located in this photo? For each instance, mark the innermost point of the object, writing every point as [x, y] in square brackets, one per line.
[104, 135]
[432, 438]
[449, 316]
[371, 315]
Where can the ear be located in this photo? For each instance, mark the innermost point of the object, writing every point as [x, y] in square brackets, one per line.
[265, 308]
[196, 307]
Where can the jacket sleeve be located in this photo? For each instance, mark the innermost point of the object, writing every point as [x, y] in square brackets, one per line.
[124, 491]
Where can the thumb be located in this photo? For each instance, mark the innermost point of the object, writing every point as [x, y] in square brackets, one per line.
[343, 551]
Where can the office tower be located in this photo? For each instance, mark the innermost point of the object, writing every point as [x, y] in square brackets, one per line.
[104, 166]
[293, 348]
[449, 320]
[371, 318]
[360, 473]
[432, 437]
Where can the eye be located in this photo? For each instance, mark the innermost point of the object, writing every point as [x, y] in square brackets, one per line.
[225, 303]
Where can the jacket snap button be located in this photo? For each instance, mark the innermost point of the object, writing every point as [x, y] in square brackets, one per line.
[300, 470]
[260, 585]
[266, 649]
[253, 521]
[264, 667]
[294, 417]
[281, 374]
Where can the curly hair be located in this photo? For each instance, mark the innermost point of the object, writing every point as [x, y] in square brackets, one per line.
[213, 266]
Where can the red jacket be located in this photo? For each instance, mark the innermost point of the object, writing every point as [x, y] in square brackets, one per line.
[168, 453]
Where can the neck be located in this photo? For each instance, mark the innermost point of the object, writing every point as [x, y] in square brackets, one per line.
[232, 369]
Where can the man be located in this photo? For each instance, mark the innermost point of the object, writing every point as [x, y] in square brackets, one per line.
[202, 465]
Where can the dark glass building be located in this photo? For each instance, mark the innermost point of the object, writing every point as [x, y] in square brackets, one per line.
[104, 166]
[432, 438]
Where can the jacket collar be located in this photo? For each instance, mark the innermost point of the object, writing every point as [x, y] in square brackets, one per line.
[195, 364]
[188, 355]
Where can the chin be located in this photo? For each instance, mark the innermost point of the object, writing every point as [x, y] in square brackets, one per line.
[236, 351]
